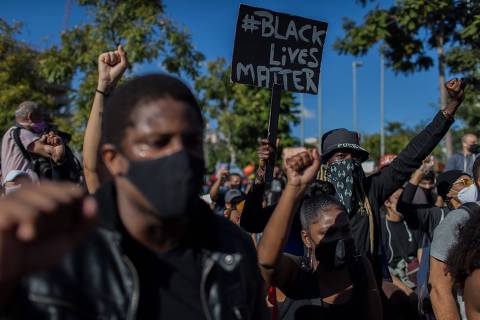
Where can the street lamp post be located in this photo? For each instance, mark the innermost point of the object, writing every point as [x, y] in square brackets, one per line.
[355, 64]
[382, 105]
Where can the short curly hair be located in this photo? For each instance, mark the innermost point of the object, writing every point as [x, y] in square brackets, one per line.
[464, 256]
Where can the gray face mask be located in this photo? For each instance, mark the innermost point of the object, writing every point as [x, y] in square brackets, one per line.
[344, 174]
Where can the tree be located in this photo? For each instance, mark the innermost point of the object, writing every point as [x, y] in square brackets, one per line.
[397, 136]
[144, 30]
[20, 78]
[407, 31]
[242, 112]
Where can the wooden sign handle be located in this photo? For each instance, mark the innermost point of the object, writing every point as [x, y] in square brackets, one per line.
[273, 131]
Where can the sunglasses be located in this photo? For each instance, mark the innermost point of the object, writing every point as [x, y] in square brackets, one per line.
[465, 181]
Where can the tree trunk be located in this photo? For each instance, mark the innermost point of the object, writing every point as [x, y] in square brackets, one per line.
[231, 149]
[443, 91]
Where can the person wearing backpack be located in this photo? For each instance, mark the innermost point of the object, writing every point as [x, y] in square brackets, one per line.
[37, 149]
[446, 302]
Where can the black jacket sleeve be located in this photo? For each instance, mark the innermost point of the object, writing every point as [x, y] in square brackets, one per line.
[418, 217]
[394, 176]
[254, 217]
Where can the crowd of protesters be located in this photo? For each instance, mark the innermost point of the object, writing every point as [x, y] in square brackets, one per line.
[135, 232]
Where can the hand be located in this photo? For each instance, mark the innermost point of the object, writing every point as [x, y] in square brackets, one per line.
[222, 174]
[427, 164]
[265, 151]
[39, 224]
[53, 139]
[111, 66]
[58, 153]
[302, 168]
[456, 89]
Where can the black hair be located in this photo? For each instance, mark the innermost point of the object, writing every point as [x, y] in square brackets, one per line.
[430, 175]
[464, 256]
[137, 92]
[319, 196]
[476, 169]
[234, 174]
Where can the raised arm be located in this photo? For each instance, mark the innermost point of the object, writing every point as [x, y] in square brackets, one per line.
[214, 190]
[393, 177]
[443, 301]
[38, 225]
[277, 268]
[254, 215]
[111, 66]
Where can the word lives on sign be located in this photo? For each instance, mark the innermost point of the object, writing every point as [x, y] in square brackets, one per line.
[275, 48]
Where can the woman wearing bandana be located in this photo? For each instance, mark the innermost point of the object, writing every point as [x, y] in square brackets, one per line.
[330, 281]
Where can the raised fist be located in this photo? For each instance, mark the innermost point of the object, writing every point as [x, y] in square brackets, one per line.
[456, 89]
[265, 151]
[302, 168]
[39, 224]
[111, 66]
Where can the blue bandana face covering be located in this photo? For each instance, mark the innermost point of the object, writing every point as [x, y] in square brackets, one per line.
[343, 174]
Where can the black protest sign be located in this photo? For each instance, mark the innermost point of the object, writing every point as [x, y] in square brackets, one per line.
[272, 47]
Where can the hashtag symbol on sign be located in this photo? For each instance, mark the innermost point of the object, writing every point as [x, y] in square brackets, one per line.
[249, 23]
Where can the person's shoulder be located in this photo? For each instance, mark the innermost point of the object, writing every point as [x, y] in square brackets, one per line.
[227, 229]
[444, 235]
[455, 216]
[8, 133]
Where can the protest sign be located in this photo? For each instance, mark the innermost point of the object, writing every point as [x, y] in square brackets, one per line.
[276, 48]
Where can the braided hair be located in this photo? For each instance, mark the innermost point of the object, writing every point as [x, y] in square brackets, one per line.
[319, 196]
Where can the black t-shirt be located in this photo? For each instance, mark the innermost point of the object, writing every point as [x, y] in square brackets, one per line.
[303, 300]
[169, 281]
[400, 241]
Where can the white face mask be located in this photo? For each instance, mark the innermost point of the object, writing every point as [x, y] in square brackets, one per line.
[468, 194]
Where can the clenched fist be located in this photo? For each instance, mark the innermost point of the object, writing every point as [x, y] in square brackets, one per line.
[111, 66]
[455, 88]
[39, 224]
[303, 167]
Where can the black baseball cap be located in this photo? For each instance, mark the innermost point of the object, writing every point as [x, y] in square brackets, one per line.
[446, 179]
[233, 195]
[337, 139]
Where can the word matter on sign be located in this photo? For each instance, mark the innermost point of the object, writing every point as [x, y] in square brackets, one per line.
[276, 48]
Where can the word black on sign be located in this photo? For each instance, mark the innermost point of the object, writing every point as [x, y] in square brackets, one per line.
[272, 47]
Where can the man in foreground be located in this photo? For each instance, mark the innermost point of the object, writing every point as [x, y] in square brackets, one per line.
[156, 251]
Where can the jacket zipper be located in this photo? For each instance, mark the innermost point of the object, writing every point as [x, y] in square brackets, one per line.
[206, 271]
[132, 309]
[54, 301]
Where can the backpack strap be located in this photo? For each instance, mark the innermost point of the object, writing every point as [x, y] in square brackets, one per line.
[470, 207]
[18, 142]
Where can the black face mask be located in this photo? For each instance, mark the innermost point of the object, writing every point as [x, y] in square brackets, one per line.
[345, 175]
[334, 255]
[171, 184]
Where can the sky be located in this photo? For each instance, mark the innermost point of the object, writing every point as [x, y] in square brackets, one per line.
[409, 99]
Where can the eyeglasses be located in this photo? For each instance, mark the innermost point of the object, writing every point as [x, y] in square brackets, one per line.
[467, 182]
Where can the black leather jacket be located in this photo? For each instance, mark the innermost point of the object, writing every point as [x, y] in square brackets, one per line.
[98, 281]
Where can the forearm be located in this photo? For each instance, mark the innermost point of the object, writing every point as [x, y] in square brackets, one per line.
[416, 177]
[422, 145]
[91, 142]
[278, 227]
[443, 303]
[215, 189]
[254, 216]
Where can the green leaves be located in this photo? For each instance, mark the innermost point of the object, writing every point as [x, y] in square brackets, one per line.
[140, 26]
[241, 113]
